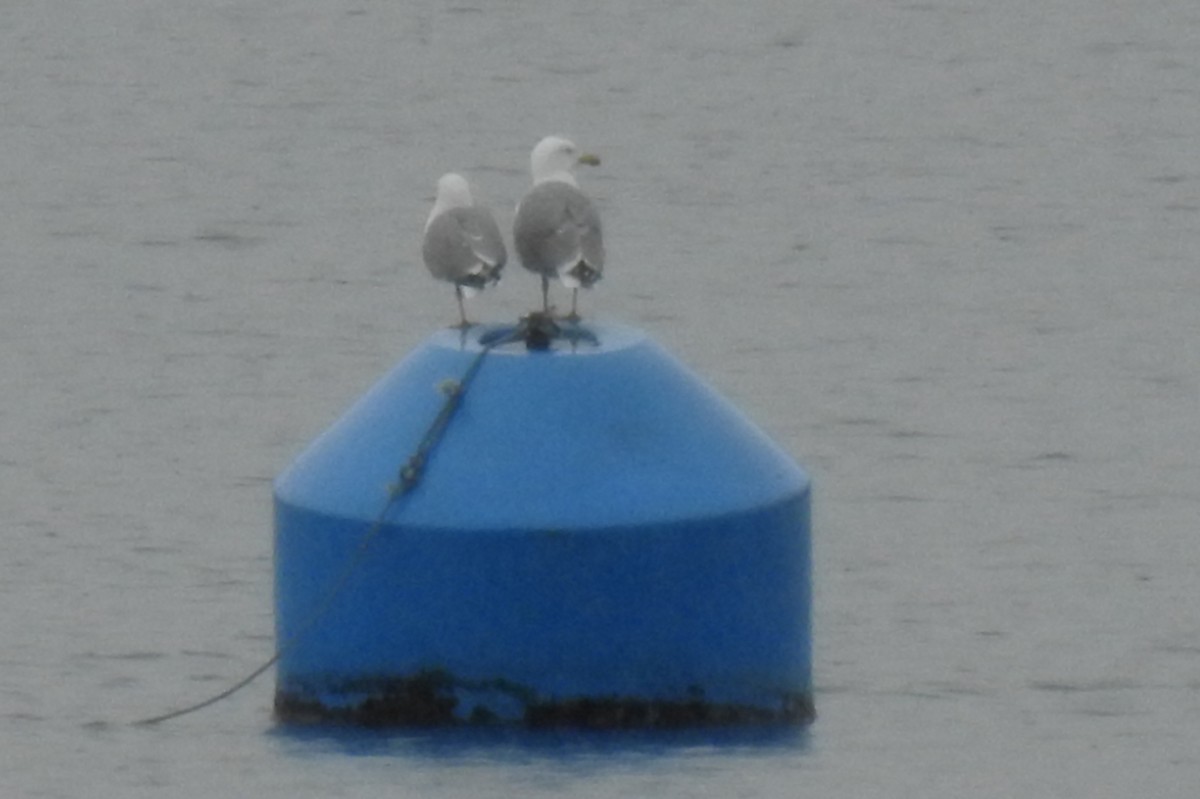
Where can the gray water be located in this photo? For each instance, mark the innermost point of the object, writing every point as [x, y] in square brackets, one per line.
[943, 252]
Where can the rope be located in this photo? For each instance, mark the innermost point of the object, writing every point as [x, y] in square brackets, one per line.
[409, 476]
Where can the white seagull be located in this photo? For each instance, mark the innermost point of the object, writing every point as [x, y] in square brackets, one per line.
[557, 230]
[462, 243]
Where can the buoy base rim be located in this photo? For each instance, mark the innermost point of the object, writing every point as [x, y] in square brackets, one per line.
[434, 698]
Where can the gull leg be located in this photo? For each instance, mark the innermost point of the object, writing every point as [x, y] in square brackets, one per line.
[574, 315]
[545, 294]
[462, 311]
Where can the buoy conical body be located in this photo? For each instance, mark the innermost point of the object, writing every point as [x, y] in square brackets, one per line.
[597, 539]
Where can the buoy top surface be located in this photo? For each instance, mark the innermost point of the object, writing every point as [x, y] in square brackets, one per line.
[577, 340]
[603, 429]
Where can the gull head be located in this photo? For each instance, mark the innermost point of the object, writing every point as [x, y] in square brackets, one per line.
[453, 191]
[555, 156]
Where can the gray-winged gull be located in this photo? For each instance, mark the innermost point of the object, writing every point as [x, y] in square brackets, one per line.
[557, 230]
[462, 243]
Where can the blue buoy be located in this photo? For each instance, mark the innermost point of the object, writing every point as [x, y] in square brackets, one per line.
[596, 539]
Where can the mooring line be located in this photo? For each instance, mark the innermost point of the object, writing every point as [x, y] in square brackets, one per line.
[407, 478]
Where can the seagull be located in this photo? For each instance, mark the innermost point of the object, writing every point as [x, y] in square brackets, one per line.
[462, 243]
[557, 230]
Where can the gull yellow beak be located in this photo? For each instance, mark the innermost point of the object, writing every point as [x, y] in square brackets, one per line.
[589, 159]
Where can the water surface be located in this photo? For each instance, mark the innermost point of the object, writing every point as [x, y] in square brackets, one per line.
[944, 252]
